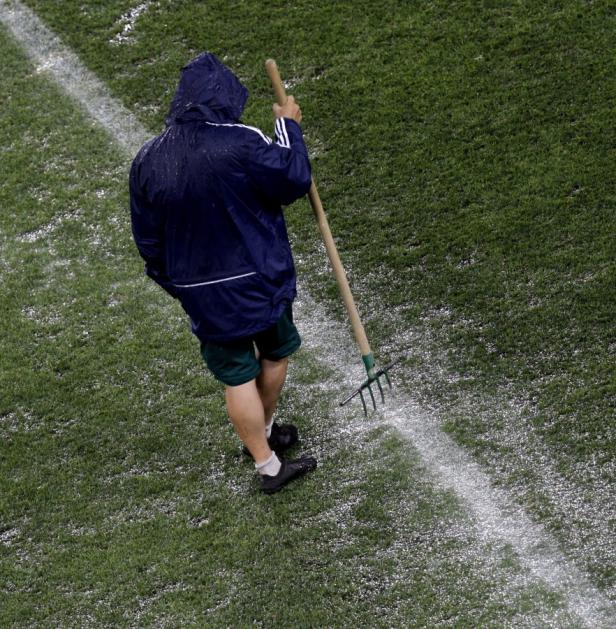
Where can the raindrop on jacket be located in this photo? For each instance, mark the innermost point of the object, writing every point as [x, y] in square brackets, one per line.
[205, 200]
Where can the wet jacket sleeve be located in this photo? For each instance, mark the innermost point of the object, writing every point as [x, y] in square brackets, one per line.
[281, 169]
[148, 230]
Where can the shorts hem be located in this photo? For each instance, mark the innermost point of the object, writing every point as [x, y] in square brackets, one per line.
[284, 352]
[237, 380]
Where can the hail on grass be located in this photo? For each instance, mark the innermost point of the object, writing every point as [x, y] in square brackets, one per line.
[492, 510]
[128, 22]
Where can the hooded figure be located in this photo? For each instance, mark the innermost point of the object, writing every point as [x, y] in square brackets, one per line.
[206, 200]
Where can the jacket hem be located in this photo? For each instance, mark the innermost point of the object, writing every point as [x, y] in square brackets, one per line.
[251, 331]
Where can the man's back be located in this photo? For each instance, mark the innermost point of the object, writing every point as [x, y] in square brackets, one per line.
[206, 208]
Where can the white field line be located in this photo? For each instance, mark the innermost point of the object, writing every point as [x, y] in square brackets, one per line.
[497, 517]
[49, 54]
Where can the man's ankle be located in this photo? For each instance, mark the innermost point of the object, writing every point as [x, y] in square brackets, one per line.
[269, 467]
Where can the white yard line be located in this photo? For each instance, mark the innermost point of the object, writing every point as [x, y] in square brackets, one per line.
[496, 516]
[50, 55]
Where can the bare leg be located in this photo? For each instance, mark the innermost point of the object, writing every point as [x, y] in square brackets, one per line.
[245, 409]
[269, 385]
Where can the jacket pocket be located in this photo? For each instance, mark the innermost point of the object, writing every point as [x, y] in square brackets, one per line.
[227, 307]
[198, 284]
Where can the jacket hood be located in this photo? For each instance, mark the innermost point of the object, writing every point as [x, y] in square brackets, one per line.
[209, 91]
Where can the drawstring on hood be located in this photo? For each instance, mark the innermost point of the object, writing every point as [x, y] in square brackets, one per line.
[208, 91]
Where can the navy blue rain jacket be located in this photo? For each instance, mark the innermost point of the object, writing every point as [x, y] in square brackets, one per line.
[205, 199]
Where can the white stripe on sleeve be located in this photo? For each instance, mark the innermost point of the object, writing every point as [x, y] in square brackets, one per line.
[282, 137]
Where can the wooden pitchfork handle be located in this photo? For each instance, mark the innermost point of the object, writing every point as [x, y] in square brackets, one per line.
[330, 245]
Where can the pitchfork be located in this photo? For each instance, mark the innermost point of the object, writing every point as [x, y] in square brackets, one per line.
[374, 374]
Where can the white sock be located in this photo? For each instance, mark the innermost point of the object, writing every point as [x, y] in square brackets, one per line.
[268, 429]
[271, 467]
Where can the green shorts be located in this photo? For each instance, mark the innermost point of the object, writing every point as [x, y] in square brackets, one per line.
[235, 362]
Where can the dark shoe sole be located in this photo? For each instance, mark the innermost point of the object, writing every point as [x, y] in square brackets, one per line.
[289, 471]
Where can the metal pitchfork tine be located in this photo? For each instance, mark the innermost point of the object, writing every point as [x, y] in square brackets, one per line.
[339, 273]
[367, 384]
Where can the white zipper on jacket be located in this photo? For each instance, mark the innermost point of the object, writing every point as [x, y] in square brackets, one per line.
[224, 279]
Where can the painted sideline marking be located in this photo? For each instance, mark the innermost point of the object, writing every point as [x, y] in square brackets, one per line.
[496, 516]
[50, 55]
[498, 519]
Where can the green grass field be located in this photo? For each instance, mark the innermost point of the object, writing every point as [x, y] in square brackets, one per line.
[466, 157]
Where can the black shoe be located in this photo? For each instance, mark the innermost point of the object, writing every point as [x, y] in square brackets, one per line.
[282, 437]
[289, 470]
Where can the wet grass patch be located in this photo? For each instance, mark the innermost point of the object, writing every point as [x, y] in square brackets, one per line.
[125, 496]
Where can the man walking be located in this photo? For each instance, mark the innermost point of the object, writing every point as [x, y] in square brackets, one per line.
[206, 197]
